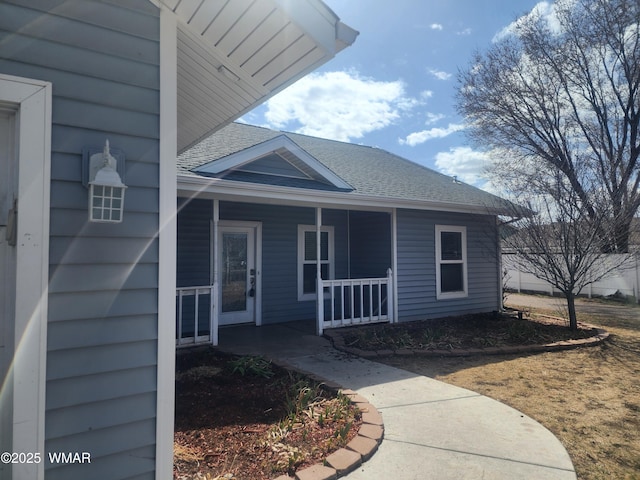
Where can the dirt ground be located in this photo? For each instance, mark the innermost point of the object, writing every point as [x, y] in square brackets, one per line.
[595, 307]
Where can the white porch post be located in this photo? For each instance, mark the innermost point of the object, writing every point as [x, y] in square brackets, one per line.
[319, 289]
[394, 261]
[215, 280]
[390, 296]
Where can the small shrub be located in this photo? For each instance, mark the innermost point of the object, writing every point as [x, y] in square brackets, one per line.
[289, 457]
[302, 395]
[432, 335]
[254, 366]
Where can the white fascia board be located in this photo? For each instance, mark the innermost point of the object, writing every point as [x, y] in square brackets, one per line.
[345, 36]
[319, 22]
[253, 153]
[190, 186]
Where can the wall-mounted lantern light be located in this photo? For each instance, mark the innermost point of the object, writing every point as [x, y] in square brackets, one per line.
[106, 189]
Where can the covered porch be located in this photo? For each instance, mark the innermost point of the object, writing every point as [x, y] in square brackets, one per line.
[260, 263]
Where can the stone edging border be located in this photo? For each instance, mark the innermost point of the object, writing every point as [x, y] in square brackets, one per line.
[360, 449]
[599, 335]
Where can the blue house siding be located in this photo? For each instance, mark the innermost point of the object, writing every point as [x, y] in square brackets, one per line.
[279, 250]
[194, 242]
[279, 257]
[369, 236]
[103, 61]
[371, 250]
[280, 254]
[416, 271]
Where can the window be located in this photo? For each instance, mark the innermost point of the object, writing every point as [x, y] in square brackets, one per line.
[307, 254]
[451, 262]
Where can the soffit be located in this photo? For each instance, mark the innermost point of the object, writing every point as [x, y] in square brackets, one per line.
[233, 55]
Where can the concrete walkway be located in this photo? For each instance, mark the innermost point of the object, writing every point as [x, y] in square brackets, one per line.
[432, 430]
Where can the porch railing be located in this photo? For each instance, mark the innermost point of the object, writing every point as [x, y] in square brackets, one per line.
[355, 302]
[194, 315]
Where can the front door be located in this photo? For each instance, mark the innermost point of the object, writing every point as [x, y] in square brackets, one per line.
[237, 274]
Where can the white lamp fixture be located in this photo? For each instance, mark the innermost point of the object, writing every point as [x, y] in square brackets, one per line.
[106, 190]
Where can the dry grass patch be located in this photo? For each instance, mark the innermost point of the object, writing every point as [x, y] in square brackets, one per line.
[588, 397]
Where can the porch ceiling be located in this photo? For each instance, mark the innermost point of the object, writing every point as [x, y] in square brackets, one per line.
[233, 55]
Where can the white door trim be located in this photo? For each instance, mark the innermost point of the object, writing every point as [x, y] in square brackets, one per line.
[33, 100]
[257, 226]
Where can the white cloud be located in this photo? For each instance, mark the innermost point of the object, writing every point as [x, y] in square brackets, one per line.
[338, 105]
[466, 31]
[544, 10]
[439, 74]
[465, 163]
[436, 26]
[417, 138]
[433, 118]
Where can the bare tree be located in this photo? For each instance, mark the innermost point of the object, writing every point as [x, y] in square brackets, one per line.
[564, 97]
[561, 243]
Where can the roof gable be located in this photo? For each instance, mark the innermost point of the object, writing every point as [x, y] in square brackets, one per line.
[279, 156]
[275, 163]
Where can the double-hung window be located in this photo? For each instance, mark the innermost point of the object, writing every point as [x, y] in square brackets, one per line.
[451, 262]
[307, 259]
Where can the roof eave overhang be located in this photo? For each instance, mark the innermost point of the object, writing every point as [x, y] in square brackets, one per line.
[193, 186]
[232, 56]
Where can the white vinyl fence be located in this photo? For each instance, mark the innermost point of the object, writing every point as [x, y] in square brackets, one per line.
[623, 281]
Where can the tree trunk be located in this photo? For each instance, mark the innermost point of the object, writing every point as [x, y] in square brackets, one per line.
[571, 305]
[622, 231]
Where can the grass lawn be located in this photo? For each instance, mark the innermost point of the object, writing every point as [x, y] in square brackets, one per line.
[589, 397]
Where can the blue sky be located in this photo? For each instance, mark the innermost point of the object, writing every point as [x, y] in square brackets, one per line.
[394, 87]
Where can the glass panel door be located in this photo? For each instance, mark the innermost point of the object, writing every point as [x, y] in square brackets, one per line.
[237, 274]
[233, 270]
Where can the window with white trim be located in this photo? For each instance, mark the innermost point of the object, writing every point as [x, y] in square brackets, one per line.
[451, 262]
[307, 255]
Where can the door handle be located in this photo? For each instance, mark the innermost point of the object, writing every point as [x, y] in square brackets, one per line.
[252, 282]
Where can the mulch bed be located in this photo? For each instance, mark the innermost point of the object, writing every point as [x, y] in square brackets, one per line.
[471, 332]
[230, 424]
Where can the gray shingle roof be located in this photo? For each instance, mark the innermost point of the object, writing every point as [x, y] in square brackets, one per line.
[371, 171]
